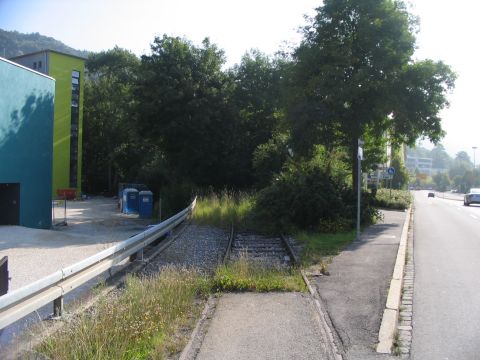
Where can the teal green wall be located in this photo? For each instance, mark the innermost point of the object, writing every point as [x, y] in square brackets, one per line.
[26, 138]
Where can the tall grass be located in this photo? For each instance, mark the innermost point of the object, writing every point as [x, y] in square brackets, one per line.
[140, 325]
[245, 275]
[224, 209]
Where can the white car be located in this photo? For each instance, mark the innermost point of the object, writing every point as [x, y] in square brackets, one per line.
[472, 197]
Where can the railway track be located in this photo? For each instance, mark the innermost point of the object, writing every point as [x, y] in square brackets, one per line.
[266, 250]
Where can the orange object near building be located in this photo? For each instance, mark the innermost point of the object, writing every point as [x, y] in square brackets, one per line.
[68, 194]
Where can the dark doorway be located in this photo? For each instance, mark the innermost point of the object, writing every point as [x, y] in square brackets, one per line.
[9, 204]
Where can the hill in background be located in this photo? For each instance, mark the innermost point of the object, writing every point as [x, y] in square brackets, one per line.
[13, 43]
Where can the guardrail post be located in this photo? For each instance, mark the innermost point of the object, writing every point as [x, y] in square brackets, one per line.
[160, 208]
[137, 256]
[4, 275]
[58, 307]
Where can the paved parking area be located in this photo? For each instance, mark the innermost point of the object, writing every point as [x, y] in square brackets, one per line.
[92, 225]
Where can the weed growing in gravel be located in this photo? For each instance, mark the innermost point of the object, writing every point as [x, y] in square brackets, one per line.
[396, 344]
[316, 246]
[224, 209]
[139, 324]
[245, 275]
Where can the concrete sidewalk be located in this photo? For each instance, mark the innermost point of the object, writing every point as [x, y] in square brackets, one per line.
[355, 293]
[279, 326]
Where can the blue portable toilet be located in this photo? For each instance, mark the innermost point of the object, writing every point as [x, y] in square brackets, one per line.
[145, 204]
[130, 201]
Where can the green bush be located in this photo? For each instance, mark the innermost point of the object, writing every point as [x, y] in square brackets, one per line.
[393, 199]
[269, 158]
[304, 196]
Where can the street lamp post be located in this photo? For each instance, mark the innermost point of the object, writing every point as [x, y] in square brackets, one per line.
[474, 148]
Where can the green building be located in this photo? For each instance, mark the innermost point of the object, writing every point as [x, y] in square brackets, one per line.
[68, 71]
[26, 128]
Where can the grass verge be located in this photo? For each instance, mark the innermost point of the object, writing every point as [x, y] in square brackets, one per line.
[140, 324]
[244, 275]
[317, 246]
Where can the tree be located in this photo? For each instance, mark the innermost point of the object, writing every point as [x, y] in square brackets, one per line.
[183, 97]
[441, 181]
[111, 147]
[440, 158]
[400, 178]
[256, 103]
[460, 165]
[463, 156]
[354, 72]
[418, 151]
[14, 43]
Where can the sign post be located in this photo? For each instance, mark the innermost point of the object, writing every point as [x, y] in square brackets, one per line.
[391, 172]
[359, 174]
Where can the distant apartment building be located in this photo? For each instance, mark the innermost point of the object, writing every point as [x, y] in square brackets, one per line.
[26, 146]
[68, 71]
[422, 165]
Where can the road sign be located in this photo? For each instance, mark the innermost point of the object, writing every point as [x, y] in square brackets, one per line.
[360, 153]
[391, 171]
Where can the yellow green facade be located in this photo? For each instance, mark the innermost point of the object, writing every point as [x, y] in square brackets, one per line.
[60, 68]
[67, 133]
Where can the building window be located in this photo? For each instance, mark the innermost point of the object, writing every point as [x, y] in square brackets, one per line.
[74, 127]
[34, 65]
[39, 64]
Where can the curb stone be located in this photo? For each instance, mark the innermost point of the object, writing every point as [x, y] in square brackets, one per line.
[393, 312]
[196, 338]
[404, 328]
[324, 321]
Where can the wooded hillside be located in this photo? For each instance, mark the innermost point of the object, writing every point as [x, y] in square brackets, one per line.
[14, 43]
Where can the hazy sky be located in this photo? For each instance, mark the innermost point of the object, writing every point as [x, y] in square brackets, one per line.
[448, 32]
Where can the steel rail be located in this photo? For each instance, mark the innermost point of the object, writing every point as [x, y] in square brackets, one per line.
[291, 252]
[229, 246]
[21, 302]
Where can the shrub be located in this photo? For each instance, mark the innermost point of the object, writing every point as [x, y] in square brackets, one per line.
[305, 196]
[269, 158]
[393, 199]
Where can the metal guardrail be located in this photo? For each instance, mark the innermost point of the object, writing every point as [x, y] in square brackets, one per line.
[21, 302]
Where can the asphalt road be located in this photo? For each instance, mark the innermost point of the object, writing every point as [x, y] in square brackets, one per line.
[446, 303]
